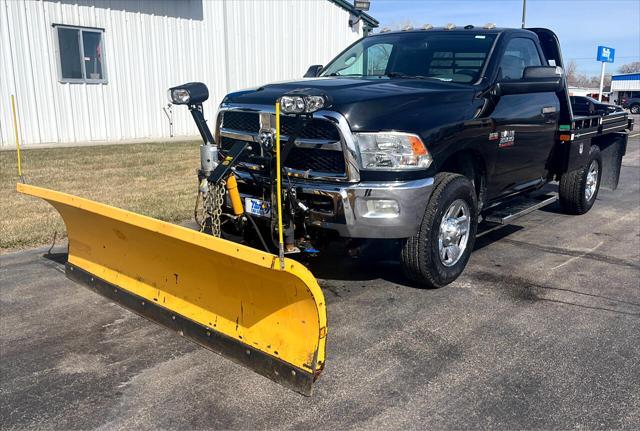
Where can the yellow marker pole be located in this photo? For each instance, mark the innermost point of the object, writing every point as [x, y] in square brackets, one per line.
[15, 129]
[279, 189]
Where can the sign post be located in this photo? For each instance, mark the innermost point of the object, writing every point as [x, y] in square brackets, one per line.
[605, 55]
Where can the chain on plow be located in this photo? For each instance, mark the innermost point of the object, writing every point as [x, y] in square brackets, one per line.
[212, 202]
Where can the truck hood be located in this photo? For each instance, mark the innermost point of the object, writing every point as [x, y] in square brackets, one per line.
[374, 104]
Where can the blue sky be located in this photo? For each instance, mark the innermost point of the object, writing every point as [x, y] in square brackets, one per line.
[581, 25]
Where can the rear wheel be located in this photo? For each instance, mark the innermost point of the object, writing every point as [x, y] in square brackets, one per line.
[438, 253]
[635, 108]
[578, 189]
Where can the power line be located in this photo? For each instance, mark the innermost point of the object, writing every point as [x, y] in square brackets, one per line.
[593, 58]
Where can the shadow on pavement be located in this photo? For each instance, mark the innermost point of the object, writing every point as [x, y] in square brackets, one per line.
[60, 258]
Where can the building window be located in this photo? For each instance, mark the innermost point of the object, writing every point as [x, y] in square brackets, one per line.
[80, 54]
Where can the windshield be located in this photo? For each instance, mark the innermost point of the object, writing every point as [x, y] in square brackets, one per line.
[452, 57]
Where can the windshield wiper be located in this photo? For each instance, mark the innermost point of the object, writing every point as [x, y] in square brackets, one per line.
[348, 74]
[405, 76]
[397, 75]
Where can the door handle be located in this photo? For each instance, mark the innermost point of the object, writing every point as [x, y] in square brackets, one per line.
[548, 110]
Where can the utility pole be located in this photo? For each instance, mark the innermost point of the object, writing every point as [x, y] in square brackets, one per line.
[524, 11]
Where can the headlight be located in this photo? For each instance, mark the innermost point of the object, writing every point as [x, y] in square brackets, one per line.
[299, 104]
[392, 151]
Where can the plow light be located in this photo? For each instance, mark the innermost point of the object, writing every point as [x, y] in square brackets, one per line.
[292, 104]
[191, 93]
[302, 103]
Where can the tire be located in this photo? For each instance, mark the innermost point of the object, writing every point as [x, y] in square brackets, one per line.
[420, 256]
[635, 108]
[577, 193]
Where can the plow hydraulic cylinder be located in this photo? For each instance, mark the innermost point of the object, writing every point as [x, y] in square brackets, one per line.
[234, 195]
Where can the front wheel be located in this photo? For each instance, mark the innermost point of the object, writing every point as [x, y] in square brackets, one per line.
[635, 108]
[578, 189]
[438, 253]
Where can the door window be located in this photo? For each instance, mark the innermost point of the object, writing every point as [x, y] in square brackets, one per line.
[520, 53]
[377, 58]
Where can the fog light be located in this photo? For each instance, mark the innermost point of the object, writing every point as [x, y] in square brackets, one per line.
[378, 208]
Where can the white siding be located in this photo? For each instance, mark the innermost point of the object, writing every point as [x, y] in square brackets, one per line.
[625, 85]
[149, 46]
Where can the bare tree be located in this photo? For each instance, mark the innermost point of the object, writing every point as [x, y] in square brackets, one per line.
[630, 67]
[571, 72]
[577, 79]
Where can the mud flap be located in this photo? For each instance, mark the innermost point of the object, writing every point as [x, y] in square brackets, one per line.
[232, 299]
[612, 148]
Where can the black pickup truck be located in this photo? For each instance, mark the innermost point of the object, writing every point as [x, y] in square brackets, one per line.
[414, 136]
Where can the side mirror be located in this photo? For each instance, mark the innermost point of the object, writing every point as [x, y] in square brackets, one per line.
[535, 79]
[313, 71]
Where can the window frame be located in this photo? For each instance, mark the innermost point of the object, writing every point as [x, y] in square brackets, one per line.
[85, 79]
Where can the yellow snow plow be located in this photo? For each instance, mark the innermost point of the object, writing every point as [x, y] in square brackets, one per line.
[233, 299]
[262, 310]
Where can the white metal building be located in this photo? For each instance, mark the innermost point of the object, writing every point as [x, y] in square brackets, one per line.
[98, 70]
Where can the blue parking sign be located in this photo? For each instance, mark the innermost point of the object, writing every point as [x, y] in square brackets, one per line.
[606, 54]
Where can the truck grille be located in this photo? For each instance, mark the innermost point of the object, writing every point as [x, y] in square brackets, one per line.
[242, 121]
[250, 122]
[312, 160]
[304, 159]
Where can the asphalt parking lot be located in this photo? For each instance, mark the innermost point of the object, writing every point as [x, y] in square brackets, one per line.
[541, 331]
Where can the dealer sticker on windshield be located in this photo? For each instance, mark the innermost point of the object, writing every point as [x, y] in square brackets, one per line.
[257, 207]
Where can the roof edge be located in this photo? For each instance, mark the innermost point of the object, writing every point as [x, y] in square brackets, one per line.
[626, 74]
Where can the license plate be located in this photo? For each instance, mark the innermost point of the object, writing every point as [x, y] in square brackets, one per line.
[257, 207]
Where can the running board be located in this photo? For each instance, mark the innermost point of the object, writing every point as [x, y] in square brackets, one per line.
[507, 212]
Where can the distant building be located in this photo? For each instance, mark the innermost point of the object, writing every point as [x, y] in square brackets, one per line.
[585, 91]
[95, 70]
[625, 86]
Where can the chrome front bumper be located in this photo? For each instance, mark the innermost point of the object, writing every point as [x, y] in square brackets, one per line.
[348, 218]
[344, 195]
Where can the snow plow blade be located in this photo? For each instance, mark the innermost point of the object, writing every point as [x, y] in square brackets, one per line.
[232, 299]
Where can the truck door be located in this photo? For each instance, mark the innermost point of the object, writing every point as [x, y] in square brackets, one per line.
[525, 123]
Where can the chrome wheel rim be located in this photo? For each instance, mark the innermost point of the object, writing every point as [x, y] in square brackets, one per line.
[454, 232]
[592, 181]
